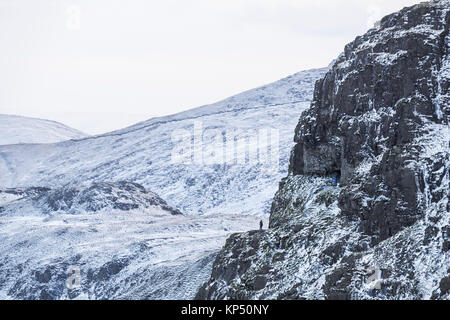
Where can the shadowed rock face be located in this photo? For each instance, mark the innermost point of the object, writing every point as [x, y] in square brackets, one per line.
[379, 120]
[368, 111]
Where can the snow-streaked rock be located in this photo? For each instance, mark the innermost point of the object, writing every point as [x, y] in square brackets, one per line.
[17, 129]
[379, 120]
[90, 198]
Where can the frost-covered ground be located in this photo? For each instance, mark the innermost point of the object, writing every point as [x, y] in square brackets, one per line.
[143, 153]
[140, 254]
[16, 129]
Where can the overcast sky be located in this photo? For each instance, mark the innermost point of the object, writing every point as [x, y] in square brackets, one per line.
[100, 65]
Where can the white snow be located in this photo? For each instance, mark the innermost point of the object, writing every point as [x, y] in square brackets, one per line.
[162, 251]
[388, 58]
[142, 153]
[16, 129]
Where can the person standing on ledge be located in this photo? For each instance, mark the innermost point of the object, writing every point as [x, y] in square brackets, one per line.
[336, 177]
[260, 225]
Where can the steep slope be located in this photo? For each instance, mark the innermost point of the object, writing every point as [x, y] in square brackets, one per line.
[199, 183]
[105, 241]
[379, 122]
[18, 129]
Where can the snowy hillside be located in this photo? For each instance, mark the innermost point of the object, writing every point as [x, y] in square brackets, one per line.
[17, 129]
[197, 183]
[147, 251]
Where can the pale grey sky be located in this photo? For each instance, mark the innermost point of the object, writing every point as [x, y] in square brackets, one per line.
[100, 65]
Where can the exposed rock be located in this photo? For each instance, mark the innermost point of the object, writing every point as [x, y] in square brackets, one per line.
[379, 122]
[122, 195]
[11, 194]
[260, 283]
[445, 285]
[387, 89]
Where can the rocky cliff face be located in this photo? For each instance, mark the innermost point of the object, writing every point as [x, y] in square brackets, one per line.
[379, 121]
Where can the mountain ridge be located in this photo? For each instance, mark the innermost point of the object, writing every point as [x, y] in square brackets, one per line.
[17, 129]
[143, 152]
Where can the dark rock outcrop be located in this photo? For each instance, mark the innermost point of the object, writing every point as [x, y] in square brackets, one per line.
[122, 195]
[381, 95]
[19, 193]
[379, 122]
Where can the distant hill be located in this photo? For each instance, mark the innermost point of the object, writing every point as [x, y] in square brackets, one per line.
[17, 129]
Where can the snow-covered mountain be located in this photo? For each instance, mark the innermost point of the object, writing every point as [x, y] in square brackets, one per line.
[17, 129]
[379, 123]
[196, 183]
[68, 206]
[120, 240]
